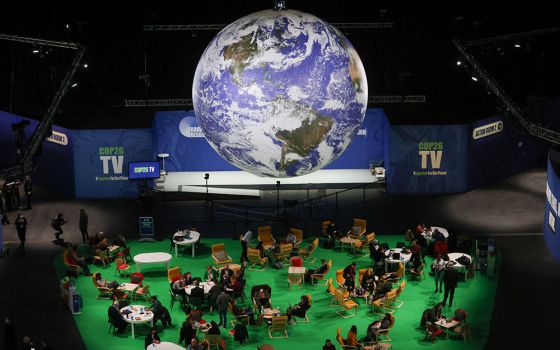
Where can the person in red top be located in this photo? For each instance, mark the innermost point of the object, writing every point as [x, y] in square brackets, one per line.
[74, 259]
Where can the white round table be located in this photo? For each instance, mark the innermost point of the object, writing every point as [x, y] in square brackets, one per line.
[205, 285]
[457, 265]
[190, 238]
[404, 258]
[165, 345]
[429, 234]
[137, 315]
[152, 258]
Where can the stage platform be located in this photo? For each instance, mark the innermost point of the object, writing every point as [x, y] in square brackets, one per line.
[240, 183]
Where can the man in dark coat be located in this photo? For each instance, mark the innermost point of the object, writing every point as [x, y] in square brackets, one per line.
[450, 278]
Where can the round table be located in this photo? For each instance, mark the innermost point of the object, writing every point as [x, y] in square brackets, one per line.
[152, 258]
[205, 285]
[268, 313]
[137, 315]
[403, 259]
[190, 238]
[165, 345]
[429, 234]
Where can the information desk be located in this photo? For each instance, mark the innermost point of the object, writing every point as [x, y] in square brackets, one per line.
[135, 314]
[152, 258]
[189, 238]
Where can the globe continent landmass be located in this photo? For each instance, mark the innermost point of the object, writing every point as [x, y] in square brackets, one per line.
[280, 93]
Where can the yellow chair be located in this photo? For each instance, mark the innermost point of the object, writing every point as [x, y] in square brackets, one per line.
[398, 303]
[345, 303]
[340, 278]
[285, 251]
[358, 223]
[321, 276]
[173, 274]
[399, 274]
[264, 234]
[299, 235]
[341, 342]
[384, 304]
[103, 257]
[385, 332]
[219, 254]
[305, 253]
[279, 324]
[363, 244]
[255, 258]
[361, 274]
[142, 293]
[104, 292]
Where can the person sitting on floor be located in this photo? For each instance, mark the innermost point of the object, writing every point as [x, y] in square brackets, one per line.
[299, 309]
[317, 271]
[151, 338]
[102, 282]
[116, 318]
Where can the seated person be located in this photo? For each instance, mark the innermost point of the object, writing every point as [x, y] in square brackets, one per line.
[317, 271]
[178, 287]
[116, 318]
[103, 282]
[368, 281]
[226, 273]
[415, 268]
[409, 236]
[194, 345]
[197, 291]
[237, 287]
[375, 326]
[349, 274]
[195, 316]
[262, 299]
[328, 345]
[299, 309]
[187, 332]
[214, 328]
[74, 259]
[188, 278]
[159, 311]
[415, 250]
[460, 315]
[241, 311]
[226, 285]
[291, 238]
[380, 256]
[434, 314]
[210, 275]
[352, 338]
[151, 338]
[120, 241]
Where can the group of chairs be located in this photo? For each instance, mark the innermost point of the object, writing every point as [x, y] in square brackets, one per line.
[141, 292]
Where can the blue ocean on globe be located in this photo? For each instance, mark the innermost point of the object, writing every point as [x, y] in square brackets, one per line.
[280, 93]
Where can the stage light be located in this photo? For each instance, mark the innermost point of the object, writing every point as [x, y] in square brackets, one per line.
[67, 26]
[85, 65]
[35, 50]
[459, 63]
[279, 5]
[517, 46]
[474, 78]
[74, 85]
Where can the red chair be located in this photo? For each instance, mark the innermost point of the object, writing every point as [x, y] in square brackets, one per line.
[125, 253]
[296, 261]
[137, 277]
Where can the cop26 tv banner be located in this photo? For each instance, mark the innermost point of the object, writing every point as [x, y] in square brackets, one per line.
[101, 160]
[428, 159]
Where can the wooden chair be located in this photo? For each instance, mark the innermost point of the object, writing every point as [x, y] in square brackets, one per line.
[173, 274]
[255, 258]
[295, 279]
[385, 332]
[299, 236]
[219, 254]
[103, 292]
[264, 234]
[279, 324]
[285, 251]
[121, 266]
[213, 340]
[345, 303]
[305, 253]
[321, 276]
[358, 223]
[103, 257]
[142, 293]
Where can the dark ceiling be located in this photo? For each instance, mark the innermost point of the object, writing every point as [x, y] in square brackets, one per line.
[414, 57]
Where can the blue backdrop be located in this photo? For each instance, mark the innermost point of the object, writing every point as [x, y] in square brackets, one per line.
[55, 170]
[101, 161]
[178, 134]
[427, 159]
[551, 225]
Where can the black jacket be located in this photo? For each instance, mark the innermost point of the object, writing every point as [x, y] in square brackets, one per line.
[197, 292]
[149, 339]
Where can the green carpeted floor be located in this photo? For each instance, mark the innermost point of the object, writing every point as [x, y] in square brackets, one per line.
[476, 296]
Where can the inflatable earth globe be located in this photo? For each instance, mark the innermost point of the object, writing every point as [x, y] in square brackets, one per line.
[280, 93]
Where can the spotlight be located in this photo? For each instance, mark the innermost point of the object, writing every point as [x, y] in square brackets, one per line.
[67, 26]
[459, 63]
[474, 78]
[279, 5]
[35, 50]
[517, 46]
[85, 65]
[74, 85]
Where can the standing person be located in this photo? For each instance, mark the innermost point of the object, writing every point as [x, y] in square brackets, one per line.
[245, 240]
[349, 274]
[84, 225]
[21, 227]
[449, 284]
[57, 223]
[223, 305]
[438, 266]
[28, 189]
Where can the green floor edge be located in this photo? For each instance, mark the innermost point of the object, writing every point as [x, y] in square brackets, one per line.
[476, 296]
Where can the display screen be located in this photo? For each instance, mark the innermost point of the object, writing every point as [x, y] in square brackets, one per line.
[143, 170]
